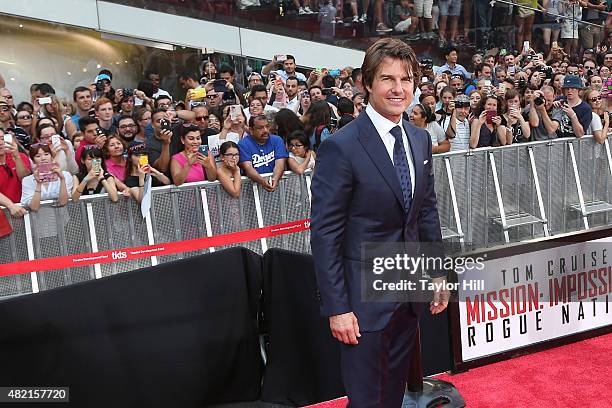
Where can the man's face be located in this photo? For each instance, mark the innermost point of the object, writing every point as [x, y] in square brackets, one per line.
[549, 97]
[289, 66]
[83, 100]
[164, 103]
[8, 96]
[501, 75]
[105, 112]
[608, 60]
[392, 89]
[291, 87]
[486, 72]
[255, 79]
[201, 117]
[571, 93]
[462, 112]
[456, 83]
[452, 57]
[127, 128]
[5, 113]
[226, 76]
[90, 133]
[260, 131]
[316, 95]
[188, 83]
[589, 65]
[261, 95]
[156, 121]
[573, 70]
[490, 60]
[127, 104]
[155, 79]
[509, 60]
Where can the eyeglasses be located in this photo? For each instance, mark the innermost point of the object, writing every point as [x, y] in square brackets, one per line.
[5, 109]
[296, 145]
[38, 145]
[26, 117]
[211, 96]
[201, 118]
[595, 99]
[232, 155]
[9, 96]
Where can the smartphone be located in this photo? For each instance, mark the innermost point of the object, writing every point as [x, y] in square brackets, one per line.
[56, 141]
[487, 82]
[220, 85]
[490, 115]
[526, 46]
[270, 181]
[44, 101]
[555, 44]
[424, 79]
[502, 87]
[8, 138]
[281, 58]
[234, 112]
[203, 149]
[143, 160]
[334, 73]
[46, 173]
[96, 165]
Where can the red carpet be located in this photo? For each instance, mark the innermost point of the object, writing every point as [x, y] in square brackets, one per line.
[578, 375]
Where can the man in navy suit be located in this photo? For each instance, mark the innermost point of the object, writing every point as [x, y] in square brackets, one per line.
[374, 183]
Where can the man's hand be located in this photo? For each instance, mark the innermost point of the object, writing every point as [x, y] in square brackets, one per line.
[17, 211]
[165, 136]
[344, 327]
[441, 296]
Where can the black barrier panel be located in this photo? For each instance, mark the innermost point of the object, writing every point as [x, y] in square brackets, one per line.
[182, 334]
[303, 364]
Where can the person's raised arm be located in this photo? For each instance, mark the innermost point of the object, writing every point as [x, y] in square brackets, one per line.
[20, 167]
[475, 129]
[163, 161]
[265, 71]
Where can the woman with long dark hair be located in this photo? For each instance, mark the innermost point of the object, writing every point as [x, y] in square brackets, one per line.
[318, 123]
[489, 126]
[287, 122]
[92, 177]
[135, 173]
[423, 117]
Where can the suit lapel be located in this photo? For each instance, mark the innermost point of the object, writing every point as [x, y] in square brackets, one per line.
[417, 160]
[375, 148]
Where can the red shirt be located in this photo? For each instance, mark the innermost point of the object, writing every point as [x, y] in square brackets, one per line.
[10, 183]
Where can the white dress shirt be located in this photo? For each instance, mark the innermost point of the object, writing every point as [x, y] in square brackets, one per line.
[383, 127]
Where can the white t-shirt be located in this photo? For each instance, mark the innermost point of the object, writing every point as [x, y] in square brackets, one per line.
[595, 124]
[214, 143]
[436, 132]
[461, 141]
[49, 192]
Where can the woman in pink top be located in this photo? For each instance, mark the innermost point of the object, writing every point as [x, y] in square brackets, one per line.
[190, 165]
[115, 162]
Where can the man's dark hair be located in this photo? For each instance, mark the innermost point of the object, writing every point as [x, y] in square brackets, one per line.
[448, 50]
[509, 80]
[79, 89]
[160, 97]
[258, 88]
[355, 74]
[189, 75]
[252, 119]
[302, 83]
[388, 47]
[86, 121]
[479, 68]
[315, 87]
[147, 87]
[45, 89]
[345, 106]
[291, 57]
[292, 78]
[328, 81]
[155, 111]
[151, 71]
[227, 69]
[106, 72]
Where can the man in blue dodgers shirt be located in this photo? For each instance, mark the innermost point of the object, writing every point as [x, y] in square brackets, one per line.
[261, 153]
[374, 183]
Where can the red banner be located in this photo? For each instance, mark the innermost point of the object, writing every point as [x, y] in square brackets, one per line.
[126, 254]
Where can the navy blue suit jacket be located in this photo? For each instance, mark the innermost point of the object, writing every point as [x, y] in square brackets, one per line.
[356, 198]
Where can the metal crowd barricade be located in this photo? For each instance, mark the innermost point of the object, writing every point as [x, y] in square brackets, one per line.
[486, 197]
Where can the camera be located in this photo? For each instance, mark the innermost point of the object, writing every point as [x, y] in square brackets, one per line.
[165, 124]
[548, 71]
[462, 104]
[589, 72]
[127, 93]
[538, 100]
[100, 132]
[426, 63]
[100, 86]
[521, 83]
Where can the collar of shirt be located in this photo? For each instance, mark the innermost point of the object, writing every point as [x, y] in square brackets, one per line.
[382, 124]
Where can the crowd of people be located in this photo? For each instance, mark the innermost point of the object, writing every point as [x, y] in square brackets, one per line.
[113, 141]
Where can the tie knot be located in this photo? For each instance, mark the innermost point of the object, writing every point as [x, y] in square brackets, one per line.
[397, 133]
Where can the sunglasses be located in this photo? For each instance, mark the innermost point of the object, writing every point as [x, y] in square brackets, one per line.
[26, 117]
[5, 109]
[595, 99]
[200, 118]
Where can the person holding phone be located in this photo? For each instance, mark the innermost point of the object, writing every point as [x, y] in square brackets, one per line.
[229, 172]
[14, 166]
[6, 116]
[489, 126]
[48, 182]
[92, 177]
[572, 114]
[517, 125]
[135, 173]
[194, 163]
[600, 123]
[63, 151]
